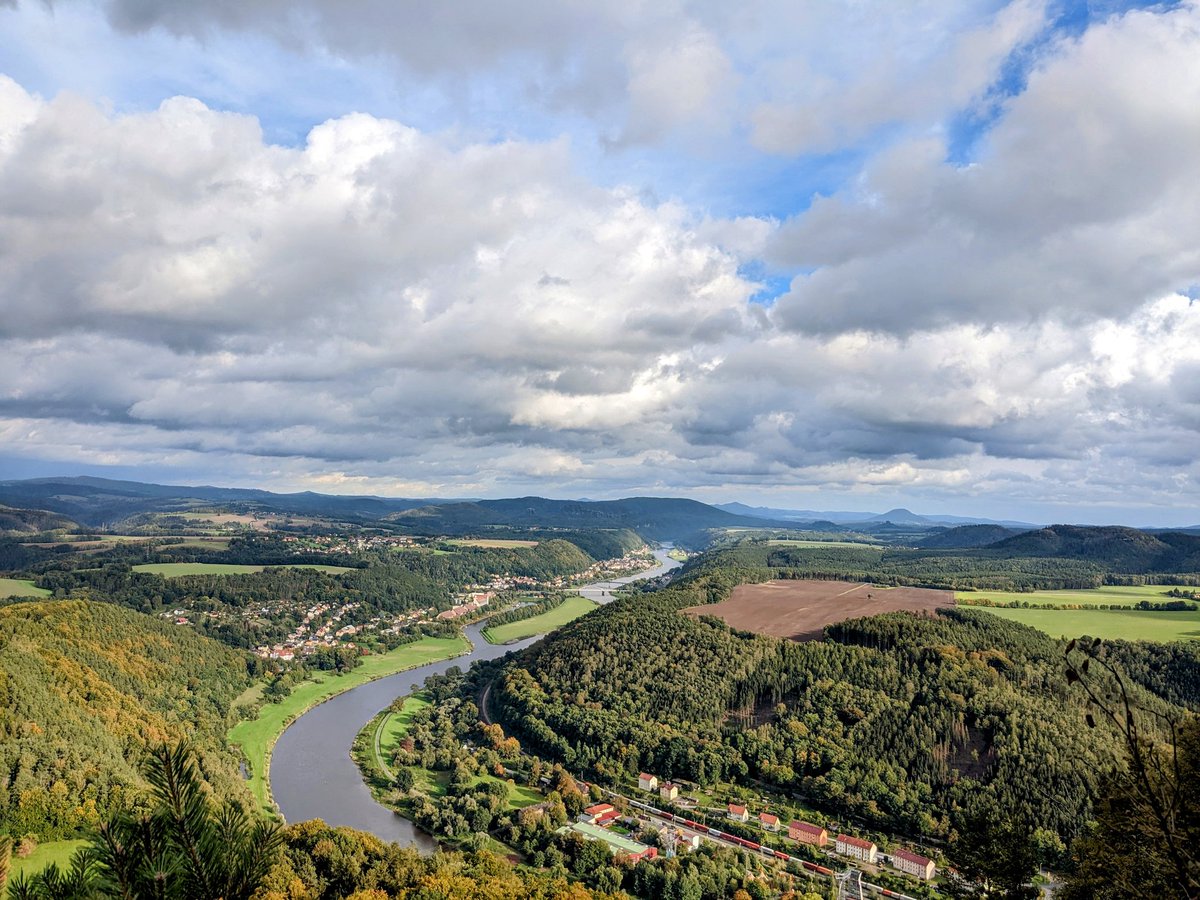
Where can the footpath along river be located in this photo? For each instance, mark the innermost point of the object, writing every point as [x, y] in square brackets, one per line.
[312, 774]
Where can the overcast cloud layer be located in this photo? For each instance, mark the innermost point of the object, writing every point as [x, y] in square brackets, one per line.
[516, 249]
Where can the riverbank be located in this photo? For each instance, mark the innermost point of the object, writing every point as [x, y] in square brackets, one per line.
[568, 611]
[256, 738]
[372, 748]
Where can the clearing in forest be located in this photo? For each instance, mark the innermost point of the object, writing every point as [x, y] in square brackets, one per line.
[800, 610]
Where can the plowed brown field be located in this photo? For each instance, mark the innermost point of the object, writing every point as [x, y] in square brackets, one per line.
[800, 610]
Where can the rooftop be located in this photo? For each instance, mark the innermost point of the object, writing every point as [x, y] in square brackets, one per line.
[618, 842]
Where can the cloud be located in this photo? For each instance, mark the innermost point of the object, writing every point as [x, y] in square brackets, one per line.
[382, 307]
[1084, 201]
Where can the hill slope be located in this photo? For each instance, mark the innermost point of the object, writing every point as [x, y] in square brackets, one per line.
[653, 518]
[84, 687]
[1120, 549]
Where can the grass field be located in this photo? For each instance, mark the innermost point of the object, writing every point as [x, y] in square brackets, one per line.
[570, 610]
[52, 852]
[175, 570]
[256, 737]
[1130, 625]
[500, 543]
[12, 587]
[1110, 594]
[858, 545]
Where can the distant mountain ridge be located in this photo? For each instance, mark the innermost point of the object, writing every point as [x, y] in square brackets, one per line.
[98, 501]
[899, 516]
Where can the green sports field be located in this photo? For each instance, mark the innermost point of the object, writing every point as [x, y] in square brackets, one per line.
[570, 610]
[12, 587]
[175, 570]
[1130, 625]
[1101, 596]
[256, 737]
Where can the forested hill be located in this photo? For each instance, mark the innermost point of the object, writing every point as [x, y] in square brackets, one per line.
[913, 724]
[84, 687]
[100, 501]
[654, 518]
[966, 536]
[1120, 549]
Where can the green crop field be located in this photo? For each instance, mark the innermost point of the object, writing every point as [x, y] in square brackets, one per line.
[13, 587]
[51, 852]
[175, 570]
[1109, 595]
[257, 736]
[570, 610]
[1130, 625]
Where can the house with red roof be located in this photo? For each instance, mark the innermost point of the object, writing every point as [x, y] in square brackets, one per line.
[856, 848]
[806, 833]
[913, 864]
[738, 813]
[768, 821]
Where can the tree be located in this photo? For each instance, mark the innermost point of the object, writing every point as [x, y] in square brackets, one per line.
[1148, 817]
[405, 779]
[5, 860]
[186, 847]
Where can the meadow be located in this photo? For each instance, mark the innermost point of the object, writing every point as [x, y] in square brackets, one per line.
[1109, 595]
[176, 570]
[15, 587]
[1110, 624]
[570, 610]
[50, 853]
[493, 543]
[256, 737]
[809, 545]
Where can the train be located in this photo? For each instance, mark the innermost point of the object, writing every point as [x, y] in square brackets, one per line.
[735, 839]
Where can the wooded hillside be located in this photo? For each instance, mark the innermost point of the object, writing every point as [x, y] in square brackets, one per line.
[84, 687]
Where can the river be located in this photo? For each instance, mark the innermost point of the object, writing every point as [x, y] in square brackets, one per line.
[312, 773]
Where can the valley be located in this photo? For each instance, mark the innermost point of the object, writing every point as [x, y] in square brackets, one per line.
[853, 680]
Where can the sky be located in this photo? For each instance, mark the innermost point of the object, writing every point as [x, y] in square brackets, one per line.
[942, 254]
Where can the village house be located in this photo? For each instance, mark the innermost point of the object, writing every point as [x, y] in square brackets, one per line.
[805, 833]
[599, 814]
[738, 813]
[768, 821]
[647, 782]
[856, 848]
[913, 864]
[668, 791]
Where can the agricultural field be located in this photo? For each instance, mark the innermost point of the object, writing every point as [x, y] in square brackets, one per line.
[13, 587]
[256, 737]
[1110, 624]
[492, 543]
[176, 570]
[799, 610]
[570, 610]
[1109, 595]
